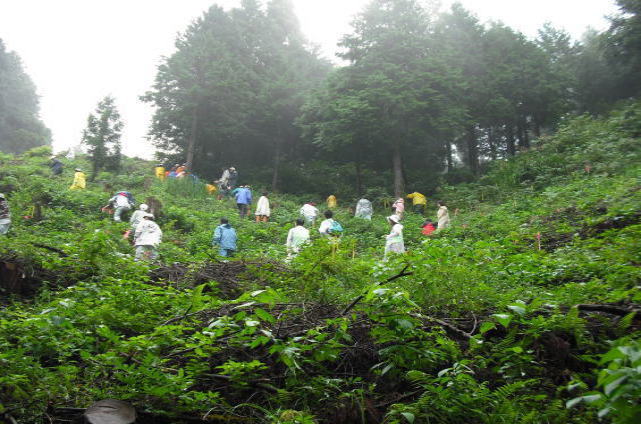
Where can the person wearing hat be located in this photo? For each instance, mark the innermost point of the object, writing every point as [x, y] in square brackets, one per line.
[310, 213]
[5, 215]
[233, 177]
[137, 216]
[394, 240]
[55, 166]
[147, 237]
[79, 180]
[160, 171]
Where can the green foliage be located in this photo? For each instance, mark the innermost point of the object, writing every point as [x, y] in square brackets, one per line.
[102, 137]
[20, 126]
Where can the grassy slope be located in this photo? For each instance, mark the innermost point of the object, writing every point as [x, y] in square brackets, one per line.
[485, 330]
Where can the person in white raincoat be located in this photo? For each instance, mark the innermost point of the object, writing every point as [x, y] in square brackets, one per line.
[443, 215]
[137, 216]
[394, 240]
[263, 211]
[121, 203]
[364, 209]
[296, 238]
[147, 237]
[310, 213]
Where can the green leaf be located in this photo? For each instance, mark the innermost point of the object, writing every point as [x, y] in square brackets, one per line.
[408, 416]
[264, 315]
[518, 309]
[503, 319]
[487, 326]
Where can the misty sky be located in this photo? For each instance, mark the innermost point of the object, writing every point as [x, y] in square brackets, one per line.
[78, 51]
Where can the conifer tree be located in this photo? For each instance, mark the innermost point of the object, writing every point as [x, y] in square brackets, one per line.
[102, 137]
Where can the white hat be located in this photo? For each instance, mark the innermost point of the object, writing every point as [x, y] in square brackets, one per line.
[1, 196]
[78, 170]
[143, 207]
[394, 218]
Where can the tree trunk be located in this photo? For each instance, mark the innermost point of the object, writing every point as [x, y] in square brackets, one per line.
[472, 151]
[448, 156]
[492, 143]
[191, 146]
[511, 147]
[397, 165]
[277, 147]
[359, 181]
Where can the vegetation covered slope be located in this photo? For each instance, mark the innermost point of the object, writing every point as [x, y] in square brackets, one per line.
[525, 311]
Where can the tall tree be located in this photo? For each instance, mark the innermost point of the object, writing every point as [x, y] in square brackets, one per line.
[233, 88]
[20, 127]
[102, 137]
[397, 88]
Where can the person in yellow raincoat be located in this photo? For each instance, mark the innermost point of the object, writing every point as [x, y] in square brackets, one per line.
[419, 202]
[79, 180]
[211, 188]
[331, 201]
[160, 172]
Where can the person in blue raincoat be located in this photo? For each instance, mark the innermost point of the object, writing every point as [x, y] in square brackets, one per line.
[225, 238]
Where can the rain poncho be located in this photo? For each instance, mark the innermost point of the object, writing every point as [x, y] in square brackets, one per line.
[136, 218]
[296, 238]
[364, 209]
[309, 212]
[160, 172]
[331, 201]
[225, 238]
[122, 203]
[79, 181]
[394, 241]
[443, 217]
[262, 207]
[148, 233]
[56, 166]
[417, 198]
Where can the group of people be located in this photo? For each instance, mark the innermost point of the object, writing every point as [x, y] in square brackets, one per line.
[176, 171]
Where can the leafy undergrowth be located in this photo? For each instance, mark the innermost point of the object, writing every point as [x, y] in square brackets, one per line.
[527, 310]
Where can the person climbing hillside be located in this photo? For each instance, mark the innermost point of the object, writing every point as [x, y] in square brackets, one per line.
[56, 166]
[160, 171]
[331, 202]
[443, 215]
[211, 188]
[263, 209]
[79, 180]
[137, 216]
[147, 237]
[330, 227]
[243, 200]
[364, 209]
[399, 207]
[225, 238]
[297, 237]
[122, 202]
[394, 240]
[419, 202]
[233, 177]
[5, 215]
[428, 228]
[310, 212]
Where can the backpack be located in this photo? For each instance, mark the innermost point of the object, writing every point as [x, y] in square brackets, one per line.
[335, 229]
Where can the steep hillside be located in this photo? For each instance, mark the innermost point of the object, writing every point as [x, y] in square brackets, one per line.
[525, 311]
